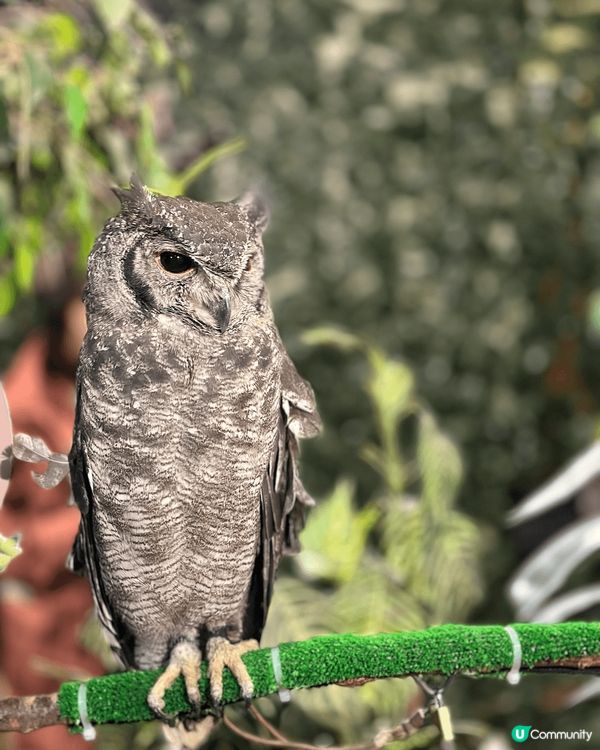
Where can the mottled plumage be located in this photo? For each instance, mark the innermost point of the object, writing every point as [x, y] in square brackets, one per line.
[188, 414]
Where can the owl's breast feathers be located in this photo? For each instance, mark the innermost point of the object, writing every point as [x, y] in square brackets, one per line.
[184, 467]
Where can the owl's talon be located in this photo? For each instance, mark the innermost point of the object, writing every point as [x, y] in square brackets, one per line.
[221, 653]
[193, 716]
[163, 717]
[217, 708]
[184, 660]
[196, 713]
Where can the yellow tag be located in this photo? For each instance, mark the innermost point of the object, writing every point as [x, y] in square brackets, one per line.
[444, 721]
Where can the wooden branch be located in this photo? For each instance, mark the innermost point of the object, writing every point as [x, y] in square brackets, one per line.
[25, 714]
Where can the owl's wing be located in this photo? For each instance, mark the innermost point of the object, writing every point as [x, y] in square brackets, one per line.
[84, 556]
[283, 499]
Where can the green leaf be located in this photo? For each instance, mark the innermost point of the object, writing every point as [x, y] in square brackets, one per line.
[78, 76]
[373, 602]
[24, 266]
[453, 567]
[178, 184]
[7, 295]
[406, 544]
[114, 13]
[332, 336]
[390, 387]
[375, 457]
[42, 157]
[437, 557]
[75, 109]
[28, 241]
[335, 536]
[9, 549]
[440, 465]
[184, 76]
[64, 33]
[152, 166]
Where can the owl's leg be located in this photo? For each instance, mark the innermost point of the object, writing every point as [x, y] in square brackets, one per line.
[222, 653]
[185, 660]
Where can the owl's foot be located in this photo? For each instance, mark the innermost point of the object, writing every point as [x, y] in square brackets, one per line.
[221, 653]
[185, 660]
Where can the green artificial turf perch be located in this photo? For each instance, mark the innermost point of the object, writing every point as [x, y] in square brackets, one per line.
[445, 650]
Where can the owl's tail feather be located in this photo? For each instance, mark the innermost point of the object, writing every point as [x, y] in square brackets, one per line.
[180, 738]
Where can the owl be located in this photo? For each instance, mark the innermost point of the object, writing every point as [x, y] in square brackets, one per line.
[184, 458]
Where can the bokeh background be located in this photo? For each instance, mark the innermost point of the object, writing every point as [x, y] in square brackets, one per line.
[433, 170]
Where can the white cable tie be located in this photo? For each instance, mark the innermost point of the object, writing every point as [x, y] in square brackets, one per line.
[284, 694]
[89, 733]
[513, 677]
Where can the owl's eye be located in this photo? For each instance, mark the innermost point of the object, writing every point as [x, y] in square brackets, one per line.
[176, 263]
[248, 264]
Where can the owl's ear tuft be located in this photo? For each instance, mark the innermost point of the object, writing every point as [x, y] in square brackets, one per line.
[256, 207]
[136, 199]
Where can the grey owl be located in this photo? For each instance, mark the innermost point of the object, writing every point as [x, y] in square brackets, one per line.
[184, 460]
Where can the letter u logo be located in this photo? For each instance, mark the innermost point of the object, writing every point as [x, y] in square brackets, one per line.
[520, 733]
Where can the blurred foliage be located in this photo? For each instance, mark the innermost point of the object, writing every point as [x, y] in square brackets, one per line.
[9, 549]
[64, 82]
[82, 98]
[406, 560]
[435, 175]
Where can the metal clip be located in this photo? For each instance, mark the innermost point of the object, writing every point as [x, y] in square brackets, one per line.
[438, 709]
[441, 713]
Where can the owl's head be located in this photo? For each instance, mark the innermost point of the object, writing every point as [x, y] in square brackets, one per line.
[200, 263]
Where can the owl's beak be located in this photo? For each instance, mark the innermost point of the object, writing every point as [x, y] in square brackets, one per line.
[222, 313]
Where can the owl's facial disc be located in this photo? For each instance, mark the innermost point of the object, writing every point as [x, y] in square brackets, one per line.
[208, 303]
[167, 280]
